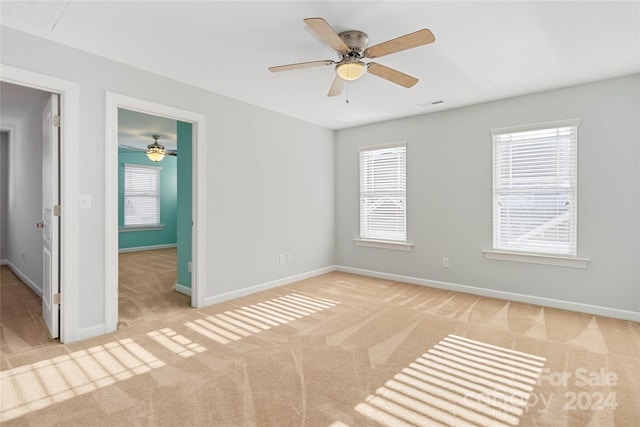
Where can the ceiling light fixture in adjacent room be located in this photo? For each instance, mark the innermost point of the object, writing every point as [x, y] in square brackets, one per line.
[155, 152]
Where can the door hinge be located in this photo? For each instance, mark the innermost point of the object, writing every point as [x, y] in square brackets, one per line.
[56, 298]
[56, 210]
[56, 121]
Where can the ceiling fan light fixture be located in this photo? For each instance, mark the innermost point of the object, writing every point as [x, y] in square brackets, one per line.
[351, 70]
[155, 152]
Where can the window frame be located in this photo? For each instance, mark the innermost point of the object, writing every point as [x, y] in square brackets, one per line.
[527, 186]
[369, 234]
[157, 195]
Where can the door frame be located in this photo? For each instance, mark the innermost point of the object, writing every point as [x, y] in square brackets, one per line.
[198, 232]
[69, 250]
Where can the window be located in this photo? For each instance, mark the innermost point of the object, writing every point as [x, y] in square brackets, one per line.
[383, 192]
[141, 195]
[534, 188]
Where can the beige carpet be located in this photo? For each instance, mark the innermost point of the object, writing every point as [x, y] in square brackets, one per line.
[21, 325]
[337, 350]
[146, 289]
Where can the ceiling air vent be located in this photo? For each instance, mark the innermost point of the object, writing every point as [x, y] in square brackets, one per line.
[429, 103]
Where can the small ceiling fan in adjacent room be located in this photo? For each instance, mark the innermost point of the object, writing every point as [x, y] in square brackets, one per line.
[352, 48]
[154, 151]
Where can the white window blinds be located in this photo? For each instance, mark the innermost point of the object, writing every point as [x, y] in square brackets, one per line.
[383, 192]
[535, 187]
[141, 195]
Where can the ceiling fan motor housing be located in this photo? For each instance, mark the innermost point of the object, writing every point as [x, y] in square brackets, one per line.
[357, 42]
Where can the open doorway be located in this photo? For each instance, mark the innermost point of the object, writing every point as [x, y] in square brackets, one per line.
[28, 193]
[192, 126]
[154, 228]
[68, 249]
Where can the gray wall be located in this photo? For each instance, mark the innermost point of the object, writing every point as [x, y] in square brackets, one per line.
[22, 241]
[449, 197]
[4, 194]
[270, 178]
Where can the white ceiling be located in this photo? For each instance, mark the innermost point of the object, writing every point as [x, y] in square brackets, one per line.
[483, 50]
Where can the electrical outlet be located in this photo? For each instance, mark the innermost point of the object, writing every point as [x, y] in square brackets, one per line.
[445, 262]
[289, 257]
[282, 259]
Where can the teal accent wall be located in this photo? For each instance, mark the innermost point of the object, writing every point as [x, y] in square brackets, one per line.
[185, 159]
[168, 202]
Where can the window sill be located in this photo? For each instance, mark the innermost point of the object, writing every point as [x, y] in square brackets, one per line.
[384, 244]
[141, 228]
[556, 260]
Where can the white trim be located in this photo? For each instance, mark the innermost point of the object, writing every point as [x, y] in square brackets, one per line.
[91, 332]
[140, 228]
[183, 289]
[511, 296]
[384, 244]
[138, 165]
[27, 281]
[383, 146]
[531, 258]
[147, 248]
[69, 194]
[267, 285]
[537, 126]
[4, 261]
[198, 278]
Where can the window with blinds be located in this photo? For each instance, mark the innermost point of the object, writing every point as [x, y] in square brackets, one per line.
[383, 207]
[141, 195]
[535, 188]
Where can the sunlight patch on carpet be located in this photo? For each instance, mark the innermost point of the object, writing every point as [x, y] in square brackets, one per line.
[233, 325]
[38, 385]
[459, 382]
[176, 343]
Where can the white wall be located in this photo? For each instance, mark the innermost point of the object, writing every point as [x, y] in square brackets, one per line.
[450, 205]
[270, 178]
[22, 240]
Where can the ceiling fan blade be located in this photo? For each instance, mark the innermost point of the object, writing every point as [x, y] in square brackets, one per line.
[144, 150]
[129, 147]
[392, 75]
[300, 65]
[326, 33]
[401, 43]
[337, 87]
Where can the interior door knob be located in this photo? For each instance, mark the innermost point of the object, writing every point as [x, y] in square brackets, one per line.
[40, 225]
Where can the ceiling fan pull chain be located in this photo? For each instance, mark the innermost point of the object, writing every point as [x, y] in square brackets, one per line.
[346, 101]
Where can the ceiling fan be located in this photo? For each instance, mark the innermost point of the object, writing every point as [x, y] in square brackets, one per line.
[352, 48]
[154, 151]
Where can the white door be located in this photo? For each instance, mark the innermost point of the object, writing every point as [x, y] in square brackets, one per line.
[50, 217]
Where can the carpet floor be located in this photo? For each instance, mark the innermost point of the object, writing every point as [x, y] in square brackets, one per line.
[336, 350]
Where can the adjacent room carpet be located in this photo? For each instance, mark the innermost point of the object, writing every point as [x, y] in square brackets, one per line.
[337, 350]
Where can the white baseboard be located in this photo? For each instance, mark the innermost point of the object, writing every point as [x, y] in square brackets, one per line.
[92, 331]
[148, 248]
[183, 289]
[4, 261]
[267, 285]
[511, 296]
[30, 283]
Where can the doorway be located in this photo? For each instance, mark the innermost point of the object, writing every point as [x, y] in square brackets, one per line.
[29, 190]
[154, 228]
[195, 125]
